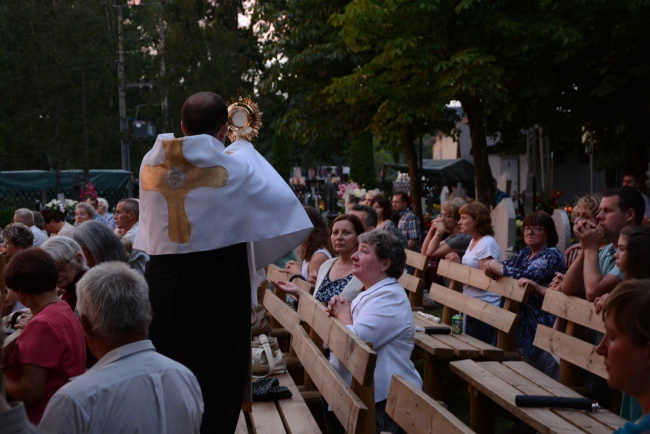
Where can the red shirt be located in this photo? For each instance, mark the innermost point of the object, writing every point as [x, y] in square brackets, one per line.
[53, 340]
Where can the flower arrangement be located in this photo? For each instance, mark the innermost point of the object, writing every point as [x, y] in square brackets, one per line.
[351, 188]
[62, 208]
[548, 201]
[88, 192]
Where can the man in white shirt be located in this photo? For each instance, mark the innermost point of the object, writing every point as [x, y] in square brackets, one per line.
[127, 219]
[132, 388]
[26, 217]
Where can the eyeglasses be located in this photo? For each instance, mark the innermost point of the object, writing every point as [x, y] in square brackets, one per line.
[61, 267]
[534, 229]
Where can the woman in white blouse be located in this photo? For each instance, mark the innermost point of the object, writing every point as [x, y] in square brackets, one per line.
[475, 220]
[380, 314]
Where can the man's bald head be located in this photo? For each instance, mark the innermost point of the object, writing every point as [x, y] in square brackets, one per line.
[204, 113]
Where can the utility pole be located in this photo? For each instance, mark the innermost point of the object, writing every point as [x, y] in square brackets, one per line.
[123, 85]
[121, 91]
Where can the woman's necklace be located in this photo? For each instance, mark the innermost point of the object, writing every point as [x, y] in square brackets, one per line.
[342, 271]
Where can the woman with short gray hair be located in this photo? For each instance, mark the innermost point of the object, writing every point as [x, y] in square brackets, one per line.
[99, 243]
[380, 314]
[83, 212]
[70, 263]
[102, 213]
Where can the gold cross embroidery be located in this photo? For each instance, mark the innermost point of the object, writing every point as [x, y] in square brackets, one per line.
[174, 179]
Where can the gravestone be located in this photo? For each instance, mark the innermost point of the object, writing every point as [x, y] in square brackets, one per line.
[504, 221]
[563, 228]
[444, 195]
[504, 182]
[459, 191]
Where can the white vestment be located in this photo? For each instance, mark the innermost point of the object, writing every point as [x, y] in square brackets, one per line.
[255, 205]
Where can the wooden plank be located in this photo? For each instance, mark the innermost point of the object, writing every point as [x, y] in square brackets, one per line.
[485, 350]
[410, 282]
[504, 286]
[273, 272]
[577, 310]
[498, 318]
[294, 412]
[459, 347]
[416, 260]
[347, 407]
[611, 420]
[578, 352]
[504, 394]
[417, 413]
[525, 384]
[355, 354]
[279, 310]
[266, 419]
[242, 428]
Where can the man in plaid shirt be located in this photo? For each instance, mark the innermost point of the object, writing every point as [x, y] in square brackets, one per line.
[409, 223]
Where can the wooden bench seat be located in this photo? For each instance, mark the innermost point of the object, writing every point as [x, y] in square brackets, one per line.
[282, 416]
[441, 349]
[417, 413]
[498, 383]
[501, 382]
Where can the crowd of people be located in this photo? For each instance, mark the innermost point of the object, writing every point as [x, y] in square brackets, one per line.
[102, 350]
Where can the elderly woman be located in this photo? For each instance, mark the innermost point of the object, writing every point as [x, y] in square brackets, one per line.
[104, 215]
[626, 346]
[70, 264]
[51, 349]
[335, 275]
[99, 243]
[314, 251]
[536, 265]
[475, 221]
[83, 212]
[381, 315]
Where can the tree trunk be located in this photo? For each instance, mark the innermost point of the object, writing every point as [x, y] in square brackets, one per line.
[485, 185]
[414, 172]
[637, 152]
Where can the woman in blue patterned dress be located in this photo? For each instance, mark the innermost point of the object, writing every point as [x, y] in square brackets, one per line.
[335, 275]
[536, 265]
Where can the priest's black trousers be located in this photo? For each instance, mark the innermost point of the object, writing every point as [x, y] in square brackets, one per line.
[201, 318]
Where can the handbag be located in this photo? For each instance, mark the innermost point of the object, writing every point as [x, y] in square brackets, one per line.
[259, 322]
[267, 359]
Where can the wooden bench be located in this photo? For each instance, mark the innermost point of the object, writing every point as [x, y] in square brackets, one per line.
[491, 382]
[441, 349]
[419, 263]
[282, 416]
[417, 413]
[353, 353]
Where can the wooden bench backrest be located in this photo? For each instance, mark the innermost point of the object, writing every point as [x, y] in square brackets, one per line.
[505, 319]
[567, 345]
[280, 310]
[346, 405]
[411, 283]
[273, 272]
[419, 262]
[355, 354]
[418, 413]
[503, 286]
[416, 260]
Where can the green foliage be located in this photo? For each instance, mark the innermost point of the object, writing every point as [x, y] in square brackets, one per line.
[282, 156]
[362, 166]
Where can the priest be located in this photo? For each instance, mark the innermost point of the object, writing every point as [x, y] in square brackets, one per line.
[211, 218]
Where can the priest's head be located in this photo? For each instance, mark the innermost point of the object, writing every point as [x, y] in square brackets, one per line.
[205, 113]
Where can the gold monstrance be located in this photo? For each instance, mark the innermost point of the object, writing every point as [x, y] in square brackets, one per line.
[244, 118]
